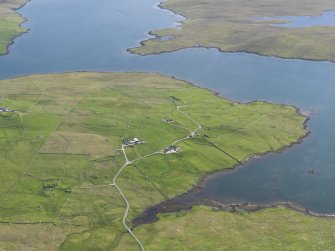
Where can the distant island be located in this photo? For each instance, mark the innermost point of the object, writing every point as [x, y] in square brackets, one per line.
[10, 23]
[237, 26]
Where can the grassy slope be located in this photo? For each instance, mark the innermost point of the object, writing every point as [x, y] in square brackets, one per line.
[204, 228]
[9, 22]
[50, 169]
[227, 25]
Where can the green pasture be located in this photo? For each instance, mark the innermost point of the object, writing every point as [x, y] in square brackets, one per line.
[60, 150]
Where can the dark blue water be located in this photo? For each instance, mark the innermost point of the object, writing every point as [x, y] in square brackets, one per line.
[327, 18]
[69, 35]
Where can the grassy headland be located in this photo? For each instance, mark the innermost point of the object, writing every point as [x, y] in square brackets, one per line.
[10, 23]
[60, 151]
[228, 26]
[205, 228]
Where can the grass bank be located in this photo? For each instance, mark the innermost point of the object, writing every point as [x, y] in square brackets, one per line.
[205, 228]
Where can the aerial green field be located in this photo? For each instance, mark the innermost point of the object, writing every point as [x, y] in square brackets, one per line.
[268, 229]
[9, 22]
[229, 26]
[63, 167]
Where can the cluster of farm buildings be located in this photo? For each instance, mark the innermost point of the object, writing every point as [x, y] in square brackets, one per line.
[5, 109]
[136, 141]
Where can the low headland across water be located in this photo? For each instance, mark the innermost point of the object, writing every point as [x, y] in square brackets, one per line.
[236, 30]
[10, 23]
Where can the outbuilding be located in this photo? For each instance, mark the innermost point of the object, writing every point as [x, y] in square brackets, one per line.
[131, 142]
[5, 109]
[171, 149]
[167, 120]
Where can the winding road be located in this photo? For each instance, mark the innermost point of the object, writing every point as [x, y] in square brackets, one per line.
[128, 162]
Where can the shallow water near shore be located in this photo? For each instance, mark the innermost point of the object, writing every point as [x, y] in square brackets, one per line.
[73, 35]
[327, 18]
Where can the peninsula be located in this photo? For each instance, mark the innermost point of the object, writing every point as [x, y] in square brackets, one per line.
[84, 153]
[237, 26]
[10, 23]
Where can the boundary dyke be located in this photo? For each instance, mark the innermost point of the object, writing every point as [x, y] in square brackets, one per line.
[180, 23]
[200, 184]
[174, 204]
[27, 223]
[26, 30]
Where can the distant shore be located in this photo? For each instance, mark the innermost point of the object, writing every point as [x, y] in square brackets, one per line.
[11, 41]
[146, 48]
